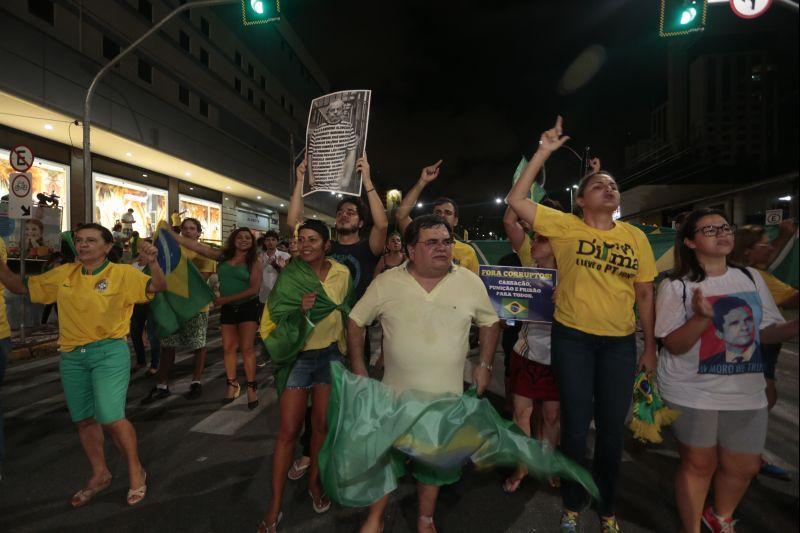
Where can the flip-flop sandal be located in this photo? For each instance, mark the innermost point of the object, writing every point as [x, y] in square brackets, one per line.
[85, 495]
[298, 470]
[324, 503]
[264, 528]
[137, 495]
[510, 486]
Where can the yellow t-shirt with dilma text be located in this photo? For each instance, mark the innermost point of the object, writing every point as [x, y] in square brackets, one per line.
[464, 255]
[92, 306]
[596, 271]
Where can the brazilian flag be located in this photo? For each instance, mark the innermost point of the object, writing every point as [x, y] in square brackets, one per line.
[187, 292]
[515, 308]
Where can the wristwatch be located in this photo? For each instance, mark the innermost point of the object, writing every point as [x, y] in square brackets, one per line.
[486, 366]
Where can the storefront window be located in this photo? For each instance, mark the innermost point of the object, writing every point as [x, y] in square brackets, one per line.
[113, 197]
[47, 177]
[208, 213]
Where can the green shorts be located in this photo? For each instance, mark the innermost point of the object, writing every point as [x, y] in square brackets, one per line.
[95, 379]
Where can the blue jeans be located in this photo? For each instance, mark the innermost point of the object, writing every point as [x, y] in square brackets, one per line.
[5, 351]
[595, 379]
[313, 367]
[141, 318]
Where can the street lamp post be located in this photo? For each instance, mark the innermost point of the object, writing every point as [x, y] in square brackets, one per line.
[87, 104]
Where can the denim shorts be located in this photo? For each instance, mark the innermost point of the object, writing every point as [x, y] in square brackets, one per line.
[313, 367]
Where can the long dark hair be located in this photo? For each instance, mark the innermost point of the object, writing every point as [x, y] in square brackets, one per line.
[115, 254]
[230, 248]
[686, 263]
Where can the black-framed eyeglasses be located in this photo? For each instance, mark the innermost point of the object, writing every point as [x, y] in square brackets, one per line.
[716, 231]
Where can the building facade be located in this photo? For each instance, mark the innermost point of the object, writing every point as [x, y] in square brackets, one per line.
[203, 118]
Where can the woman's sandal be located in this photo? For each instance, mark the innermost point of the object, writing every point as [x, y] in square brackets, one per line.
[253, 385]
[137, 495]
[324, 503]
[264, 528]
[85, 495]
[511, 484]
[298, 469]
[232, 383]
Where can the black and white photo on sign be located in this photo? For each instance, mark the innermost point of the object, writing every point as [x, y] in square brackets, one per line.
[336, 137]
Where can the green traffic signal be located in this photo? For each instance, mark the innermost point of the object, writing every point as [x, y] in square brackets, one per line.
[260, 11]
[688, 15]
[682, 17]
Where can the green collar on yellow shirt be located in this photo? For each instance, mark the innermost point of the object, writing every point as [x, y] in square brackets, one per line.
[97, 270]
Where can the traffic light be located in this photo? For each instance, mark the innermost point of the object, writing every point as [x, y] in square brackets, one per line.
[682, 17]
[260, 11]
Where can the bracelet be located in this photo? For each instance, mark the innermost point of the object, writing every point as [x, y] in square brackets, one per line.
[486, 366]
[370, 190]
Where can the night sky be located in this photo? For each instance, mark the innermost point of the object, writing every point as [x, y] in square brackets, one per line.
[475, 83]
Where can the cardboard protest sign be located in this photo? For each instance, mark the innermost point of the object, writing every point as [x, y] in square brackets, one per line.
[336, 137]
[520, 293]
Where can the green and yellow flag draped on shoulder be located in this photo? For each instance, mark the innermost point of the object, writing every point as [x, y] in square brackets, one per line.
[187, 292]
[284, 327]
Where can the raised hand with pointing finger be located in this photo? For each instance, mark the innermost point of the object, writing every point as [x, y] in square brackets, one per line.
[552, 139]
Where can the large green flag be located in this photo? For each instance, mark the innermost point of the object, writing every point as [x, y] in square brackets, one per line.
[187, 292]
[371, 432]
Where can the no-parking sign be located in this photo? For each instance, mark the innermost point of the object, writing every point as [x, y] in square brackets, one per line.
[21, 158]
[750, 9]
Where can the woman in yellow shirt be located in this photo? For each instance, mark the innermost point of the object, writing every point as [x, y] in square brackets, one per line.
[604, 268]
[95, 300]
[305, 310]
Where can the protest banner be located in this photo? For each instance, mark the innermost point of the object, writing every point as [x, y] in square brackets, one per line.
[520, 293]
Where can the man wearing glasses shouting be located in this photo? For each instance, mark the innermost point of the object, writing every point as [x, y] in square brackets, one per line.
[426, 307]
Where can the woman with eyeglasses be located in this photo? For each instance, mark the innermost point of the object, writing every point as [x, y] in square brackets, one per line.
[753, 248]
[713, 318]
[604, 268]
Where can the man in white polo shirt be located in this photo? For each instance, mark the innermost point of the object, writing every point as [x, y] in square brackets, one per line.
[426, 307]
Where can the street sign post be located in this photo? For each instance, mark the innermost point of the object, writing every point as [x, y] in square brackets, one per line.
[750, 9]
[773, 217]
[21, 158]
[20, 195]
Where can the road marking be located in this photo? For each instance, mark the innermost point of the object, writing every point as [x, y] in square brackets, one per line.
[41, 379]
[33, 406]
[235, 415]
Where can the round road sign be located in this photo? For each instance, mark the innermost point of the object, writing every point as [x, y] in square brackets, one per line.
[750, 9]
[21, 158]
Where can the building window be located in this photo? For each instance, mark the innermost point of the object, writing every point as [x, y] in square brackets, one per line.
[184, 41]
[263, 83]
[203, 107]
[110, 48]
[205, 27]
[237, 58]
[263, 106]
[250, 95]
[237, 83]
[251, 71]
[42, 9]
[145, 71]
[204, 57]
[146, 9]
[183, 94]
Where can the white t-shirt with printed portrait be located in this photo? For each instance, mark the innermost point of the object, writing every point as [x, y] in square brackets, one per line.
[724, 369]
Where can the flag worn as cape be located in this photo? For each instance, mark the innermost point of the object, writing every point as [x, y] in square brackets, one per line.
[284, 327]
[371, 432]
[187, 292]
